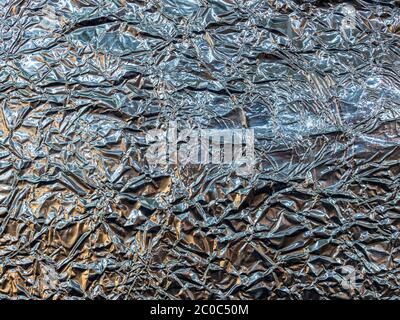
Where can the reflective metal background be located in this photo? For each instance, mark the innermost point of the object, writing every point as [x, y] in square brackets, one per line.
[83, 215]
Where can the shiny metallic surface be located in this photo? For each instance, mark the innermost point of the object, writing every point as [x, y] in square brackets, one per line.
[82, 213]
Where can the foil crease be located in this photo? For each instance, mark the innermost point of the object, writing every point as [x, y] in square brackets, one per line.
[84, 216]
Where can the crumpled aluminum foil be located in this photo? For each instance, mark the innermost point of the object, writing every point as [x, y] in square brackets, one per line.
[82, 214]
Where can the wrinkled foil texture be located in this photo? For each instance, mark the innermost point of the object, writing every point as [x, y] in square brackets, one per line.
[83, 215]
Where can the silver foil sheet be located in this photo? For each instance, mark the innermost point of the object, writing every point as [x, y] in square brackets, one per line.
[84, 214]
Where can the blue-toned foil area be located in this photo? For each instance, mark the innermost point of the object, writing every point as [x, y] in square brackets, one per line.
[83, 215]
